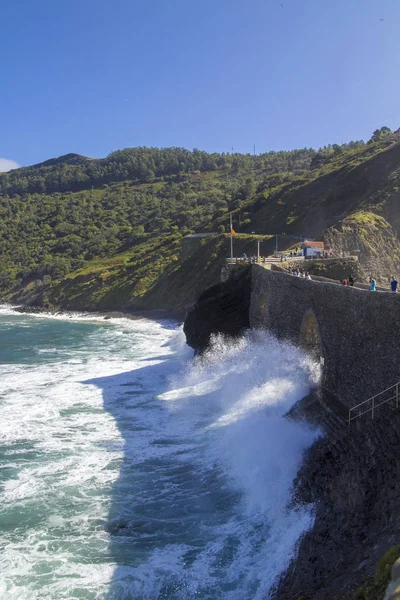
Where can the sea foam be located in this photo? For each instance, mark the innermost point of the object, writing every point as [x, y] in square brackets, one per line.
[133, 470]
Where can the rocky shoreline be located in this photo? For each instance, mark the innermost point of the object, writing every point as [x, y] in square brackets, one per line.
[158, 314]
[351, 475]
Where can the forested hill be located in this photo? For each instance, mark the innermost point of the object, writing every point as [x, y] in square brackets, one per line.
[73, 172]
[119, 222]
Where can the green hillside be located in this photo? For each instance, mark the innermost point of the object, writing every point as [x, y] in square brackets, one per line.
[57, 216]
[110, 233]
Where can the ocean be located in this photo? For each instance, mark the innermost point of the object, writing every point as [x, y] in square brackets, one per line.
[132, 470]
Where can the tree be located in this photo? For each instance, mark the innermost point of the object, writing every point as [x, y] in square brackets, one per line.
[249, 188]
[380, 134]
[235, 166]
[337, 149]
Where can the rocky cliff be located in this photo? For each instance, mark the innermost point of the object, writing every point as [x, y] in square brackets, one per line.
[372, 239]
[351, 474]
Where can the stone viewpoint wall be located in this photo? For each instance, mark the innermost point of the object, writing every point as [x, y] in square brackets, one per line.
[356, 332]
[351, 474]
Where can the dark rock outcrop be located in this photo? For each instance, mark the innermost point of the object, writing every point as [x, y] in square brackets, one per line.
[222, 308]
[352, 476]
[372, 239]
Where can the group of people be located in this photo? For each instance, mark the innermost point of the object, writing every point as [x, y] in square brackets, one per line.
[252, 259]
[300, 273]
[295, 252]
[306, 275]
[372, 283]
[349, 281]
[393, 284]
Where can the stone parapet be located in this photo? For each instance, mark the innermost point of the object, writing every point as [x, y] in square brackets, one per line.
[356, 332]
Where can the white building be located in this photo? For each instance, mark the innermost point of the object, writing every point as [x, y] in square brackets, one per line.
[313, 249]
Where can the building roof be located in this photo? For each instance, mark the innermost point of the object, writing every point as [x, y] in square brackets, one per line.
[314, 244]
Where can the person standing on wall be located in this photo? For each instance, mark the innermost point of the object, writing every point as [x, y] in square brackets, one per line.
[393, 284]
[372, 285]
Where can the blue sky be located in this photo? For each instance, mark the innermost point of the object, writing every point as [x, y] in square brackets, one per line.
[92, 76]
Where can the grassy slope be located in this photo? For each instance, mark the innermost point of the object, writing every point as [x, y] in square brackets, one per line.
[108, 283]
[375, 588]
[150, 275]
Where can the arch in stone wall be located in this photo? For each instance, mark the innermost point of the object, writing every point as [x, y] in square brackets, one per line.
[262, 310]
[310, 337]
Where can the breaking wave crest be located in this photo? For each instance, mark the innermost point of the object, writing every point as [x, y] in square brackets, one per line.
[134, 471]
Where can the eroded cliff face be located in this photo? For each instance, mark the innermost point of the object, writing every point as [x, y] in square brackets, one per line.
[223, 308]
[372, 239]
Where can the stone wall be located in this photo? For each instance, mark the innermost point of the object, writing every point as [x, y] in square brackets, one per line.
[356, 332]
[351, 475]
[331, 268]
[192, 244]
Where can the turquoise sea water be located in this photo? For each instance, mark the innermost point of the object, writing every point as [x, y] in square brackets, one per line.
[128, 470]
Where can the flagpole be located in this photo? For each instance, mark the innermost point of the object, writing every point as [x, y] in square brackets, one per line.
[230, 220]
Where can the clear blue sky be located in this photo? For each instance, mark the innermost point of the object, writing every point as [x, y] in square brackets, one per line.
[92, 76]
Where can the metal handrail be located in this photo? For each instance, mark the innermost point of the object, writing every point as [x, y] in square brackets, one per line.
[376, 396]
[375, 406]
[269, 259]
